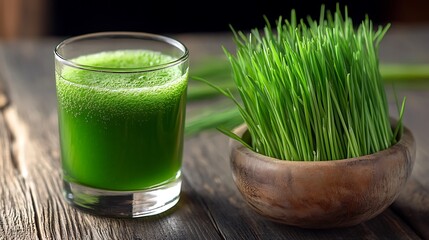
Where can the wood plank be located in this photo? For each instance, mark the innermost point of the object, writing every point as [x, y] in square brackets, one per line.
[17, 215]
[28, 71]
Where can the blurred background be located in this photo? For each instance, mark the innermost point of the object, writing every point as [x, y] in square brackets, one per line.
[63, 18]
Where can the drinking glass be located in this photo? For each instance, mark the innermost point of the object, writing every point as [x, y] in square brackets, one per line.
[121, 112]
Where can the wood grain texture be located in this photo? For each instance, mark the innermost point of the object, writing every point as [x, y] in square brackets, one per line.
[210, 206]
[17, 215]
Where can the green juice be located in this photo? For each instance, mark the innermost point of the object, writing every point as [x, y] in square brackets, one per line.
[121, 131]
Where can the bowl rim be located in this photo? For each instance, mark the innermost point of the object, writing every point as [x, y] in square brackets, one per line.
[406, 142]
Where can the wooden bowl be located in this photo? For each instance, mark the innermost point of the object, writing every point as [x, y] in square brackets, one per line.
[323, 194]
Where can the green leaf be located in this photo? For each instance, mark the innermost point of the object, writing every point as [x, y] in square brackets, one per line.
[233, 136]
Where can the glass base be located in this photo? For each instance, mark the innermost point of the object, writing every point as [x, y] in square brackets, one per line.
[125, 204]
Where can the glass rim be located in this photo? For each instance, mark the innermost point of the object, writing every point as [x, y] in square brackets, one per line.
[132, 35]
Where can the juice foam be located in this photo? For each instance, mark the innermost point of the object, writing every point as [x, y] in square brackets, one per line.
[120, 93]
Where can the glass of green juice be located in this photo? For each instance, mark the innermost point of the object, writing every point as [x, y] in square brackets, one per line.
[121, 112]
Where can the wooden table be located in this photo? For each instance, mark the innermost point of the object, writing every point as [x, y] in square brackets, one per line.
[31, 202]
